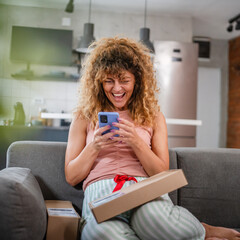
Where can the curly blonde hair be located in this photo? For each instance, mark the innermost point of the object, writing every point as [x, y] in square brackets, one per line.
[113, 56]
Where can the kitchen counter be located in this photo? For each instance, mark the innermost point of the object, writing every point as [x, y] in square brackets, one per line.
[170, 121]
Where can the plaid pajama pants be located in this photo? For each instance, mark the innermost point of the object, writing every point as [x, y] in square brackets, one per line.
[158, 219]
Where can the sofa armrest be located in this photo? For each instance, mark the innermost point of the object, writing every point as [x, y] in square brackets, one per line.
[22, 207]
[46, 161]
[213, 189]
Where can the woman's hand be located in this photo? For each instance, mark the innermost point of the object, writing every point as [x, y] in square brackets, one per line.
[154, 158]
[126, 132]
[101, 140]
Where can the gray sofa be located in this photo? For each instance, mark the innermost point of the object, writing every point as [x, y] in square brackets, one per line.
[35, 172]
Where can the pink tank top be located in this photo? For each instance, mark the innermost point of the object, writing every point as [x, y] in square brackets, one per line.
[119, 159]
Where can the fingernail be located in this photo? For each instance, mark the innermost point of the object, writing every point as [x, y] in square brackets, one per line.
[112, 130]
[111, 138]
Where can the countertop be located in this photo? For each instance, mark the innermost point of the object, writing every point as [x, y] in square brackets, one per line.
[36, 127]
[170, 121]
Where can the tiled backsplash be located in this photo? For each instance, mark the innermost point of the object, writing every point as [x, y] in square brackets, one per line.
[53, 96]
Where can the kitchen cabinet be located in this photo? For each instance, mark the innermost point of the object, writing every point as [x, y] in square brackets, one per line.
[53, 75]
[10, 134]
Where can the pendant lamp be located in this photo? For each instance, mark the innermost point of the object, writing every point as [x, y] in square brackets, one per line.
[87, 37]
[145, 33]
[70, 7]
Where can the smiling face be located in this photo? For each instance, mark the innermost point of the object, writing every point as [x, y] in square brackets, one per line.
[119, 89]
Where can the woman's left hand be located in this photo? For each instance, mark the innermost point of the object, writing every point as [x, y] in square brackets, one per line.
[154, 158]
[126, 132]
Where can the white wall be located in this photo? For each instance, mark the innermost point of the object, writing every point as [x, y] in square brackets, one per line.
[61, 96]
[161, 27]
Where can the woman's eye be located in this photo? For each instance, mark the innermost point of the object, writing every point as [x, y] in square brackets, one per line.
[108, 81]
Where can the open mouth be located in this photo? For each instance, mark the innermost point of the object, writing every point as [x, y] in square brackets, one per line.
[118, 95]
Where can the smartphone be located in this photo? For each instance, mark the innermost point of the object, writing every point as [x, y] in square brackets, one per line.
[107, 118]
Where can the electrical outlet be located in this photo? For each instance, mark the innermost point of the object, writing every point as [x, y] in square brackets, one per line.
[66, 21]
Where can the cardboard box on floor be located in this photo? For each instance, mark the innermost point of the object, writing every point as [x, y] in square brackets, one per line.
[137, 194]
[63, 220]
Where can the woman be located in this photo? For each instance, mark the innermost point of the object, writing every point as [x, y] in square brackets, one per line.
[118, 76]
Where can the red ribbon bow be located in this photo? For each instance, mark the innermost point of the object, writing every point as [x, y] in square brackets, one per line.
[120, 180]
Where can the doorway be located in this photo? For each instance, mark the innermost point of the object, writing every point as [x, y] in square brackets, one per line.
[208, 107]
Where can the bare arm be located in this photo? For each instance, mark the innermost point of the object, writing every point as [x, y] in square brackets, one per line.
[156, 159]
[80, 157]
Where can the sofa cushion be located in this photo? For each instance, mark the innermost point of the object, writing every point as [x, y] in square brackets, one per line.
[23, 211]
[213, 192]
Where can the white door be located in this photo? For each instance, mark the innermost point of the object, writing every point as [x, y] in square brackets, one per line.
[208, 107]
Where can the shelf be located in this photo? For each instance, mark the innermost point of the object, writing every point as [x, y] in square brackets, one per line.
[44, 78]
[56, 115]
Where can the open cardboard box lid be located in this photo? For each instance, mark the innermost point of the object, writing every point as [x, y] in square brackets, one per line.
[137, 194]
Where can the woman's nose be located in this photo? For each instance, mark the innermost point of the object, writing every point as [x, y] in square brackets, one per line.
[117, 86]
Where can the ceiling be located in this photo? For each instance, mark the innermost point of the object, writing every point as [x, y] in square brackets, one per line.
[210, 17]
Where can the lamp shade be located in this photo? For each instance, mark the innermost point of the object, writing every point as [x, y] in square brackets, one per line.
[70, 7]
[144, 38]
[86, 39]
[230, 28]
[237, 27]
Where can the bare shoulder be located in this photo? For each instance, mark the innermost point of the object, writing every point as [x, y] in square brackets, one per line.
[79, 124]
[159, 121]
[160, 116]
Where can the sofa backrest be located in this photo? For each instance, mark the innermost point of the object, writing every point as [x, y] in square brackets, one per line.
[46, 161]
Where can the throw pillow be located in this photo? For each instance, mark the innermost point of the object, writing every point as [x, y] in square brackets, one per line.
[22, 207]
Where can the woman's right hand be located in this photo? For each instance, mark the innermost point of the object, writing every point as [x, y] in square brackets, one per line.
[101, 140]
[79, 156]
